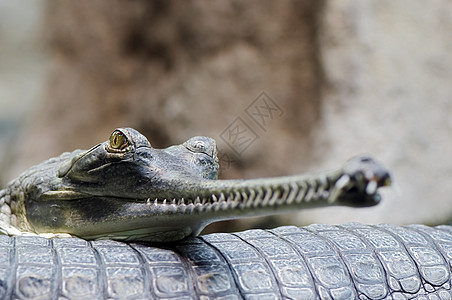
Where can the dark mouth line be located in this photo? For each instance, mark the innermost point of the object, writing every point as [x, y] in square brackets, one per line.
[256, 197]
[247, 198]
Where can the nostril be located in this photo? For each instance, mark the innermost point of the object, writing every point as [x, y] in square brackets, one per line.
[366, 159]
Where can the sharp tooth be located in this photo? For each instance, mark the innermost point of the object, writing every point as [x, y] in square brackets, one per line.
[156, 201]
[292, 194]
[342, 182]
[371, 187]
[148, 201]
[197, 200]
[164, 201]
[286, 189]
[274, 197]
[222, 198]
[182, 202]
[174, 201]
[320, 187]
[301, 192]
[237, 196]
[214, 198]
[245, 197]
[268, 193]
[236, 199]
[312, 186]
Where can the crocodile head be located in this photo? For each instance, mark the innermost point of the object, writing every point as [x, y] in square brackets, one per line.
[114, 188]
[128, 167]
[127, 190]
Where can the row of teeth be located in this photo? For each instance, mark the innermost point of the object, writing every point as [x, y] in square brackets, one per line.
[344, 180]
[259, 197]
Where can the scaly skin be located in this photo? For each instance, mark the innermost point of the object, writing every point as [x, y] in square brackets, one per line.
[124, 189]
[348, 261]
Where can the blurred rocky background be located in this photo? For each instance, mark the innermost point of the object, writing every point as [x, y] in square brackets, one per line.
[283, 86]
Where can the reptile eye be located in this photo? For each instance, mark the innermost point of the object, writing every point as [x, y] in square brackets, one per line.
[118, 141]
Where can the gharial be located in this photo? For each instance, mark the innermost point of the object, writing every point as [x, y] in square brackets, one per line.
[125, 190]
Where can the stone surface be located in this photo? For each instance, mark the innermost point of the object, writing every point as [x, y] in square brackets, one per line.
[387, 91]
[23, 69]
[178, 69]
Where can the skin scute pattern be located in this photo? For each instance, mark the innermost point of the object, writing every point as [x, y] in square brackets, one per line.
[349, 261]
